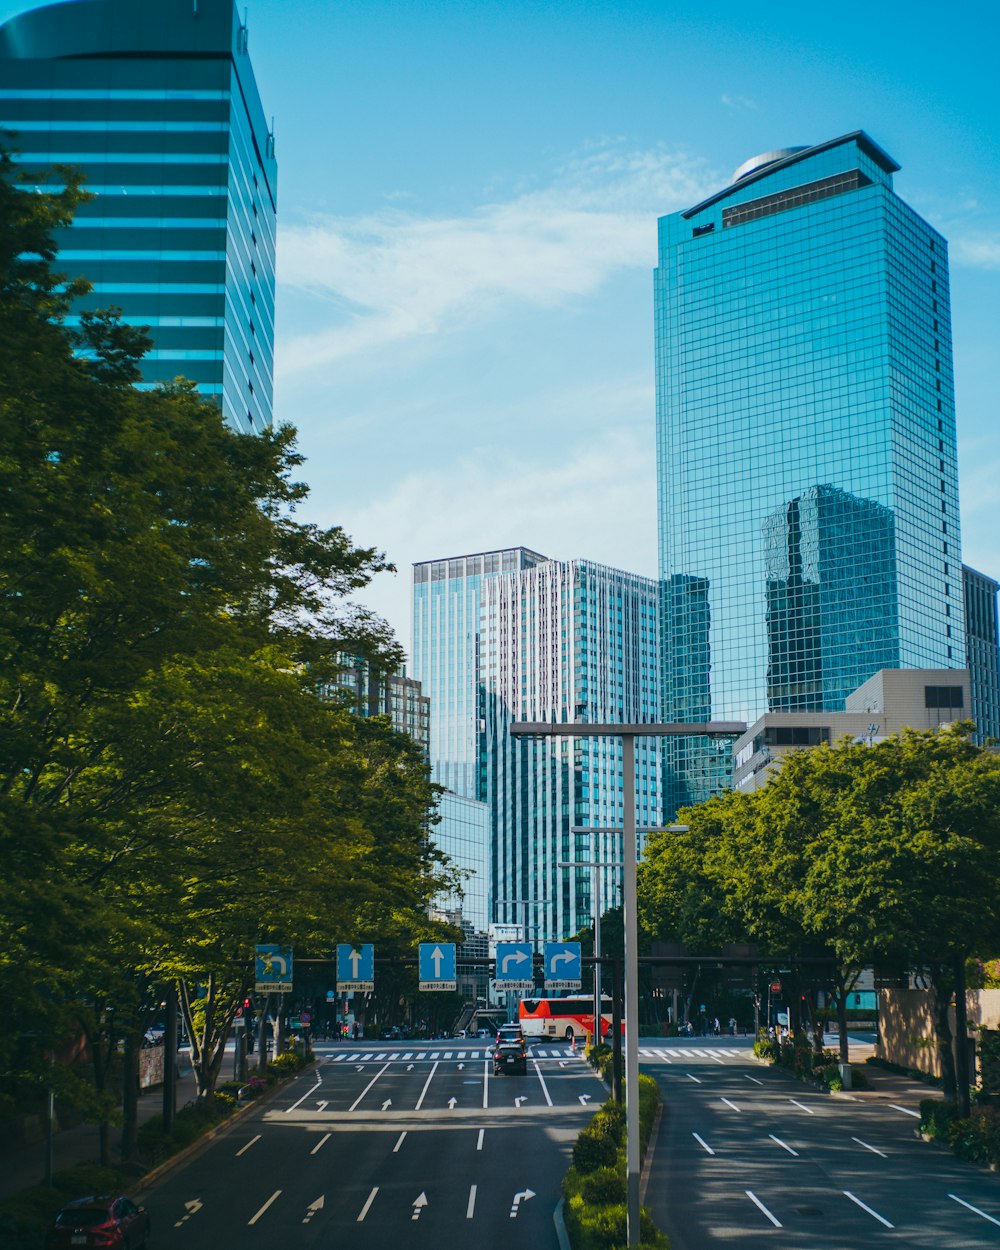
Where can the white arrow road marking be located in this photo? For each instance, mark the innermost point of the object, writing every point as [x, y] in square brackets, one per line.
[584, 1099]
[367, 1207]
[360, 1067]
[872, 1149]
[783, 1146]
[970, 1207]
[192, 1208]
[564, 1063]
[808, 1110]
[730, 1104]
[387, 1104]
[254, 1218]
[319, 1082]
[874, 1214]
[321, 1105]
[518, 957]
[418, 1206]
[452, 1104]
[320, 1144]
[409, 1067]
[461, 1067]
[905, 1110]
[708, 1149]
[367, 1087]
[541, 1081]
[245, 1148]
[312, 1208]
[420, 1100]
[479, 1142]
[523, 1196]
[757, 1203]
[470, 1209]
[519, 1099]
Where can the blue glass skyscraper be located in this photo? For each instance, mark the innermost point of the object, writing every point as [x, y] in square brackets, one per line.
[808, 487]
[157, 104]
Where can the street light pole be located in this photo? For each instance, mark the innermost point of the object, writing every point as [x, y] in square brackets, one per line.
[628, 734]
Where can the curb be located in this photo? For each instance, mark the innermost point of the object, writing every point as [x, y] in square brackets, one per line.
[561, 1234]
[647, 1163]
[151, 1178]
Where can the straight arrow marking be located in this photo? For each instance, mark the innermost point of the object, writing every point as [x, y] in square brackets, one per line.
[387, 1104]
[313, 1208]
[452, 1104]
[418, 1206]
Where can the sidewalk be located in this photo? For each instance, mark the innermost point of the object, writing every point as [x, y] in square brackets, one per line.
[890, 1087]
[26, 1166]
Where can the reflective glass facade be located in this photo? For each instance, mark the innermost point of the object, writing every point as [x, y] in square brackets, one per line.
[157, 104]
[808, 491]
[463, 833]
[446, 655]
[983, 652]
[564, 642]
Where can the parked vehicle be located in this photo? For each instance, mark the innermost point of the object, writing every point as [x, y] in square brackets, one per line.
[113, 1223]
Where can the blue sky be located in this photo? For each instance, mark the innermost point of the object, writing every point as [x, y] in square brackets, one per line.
[468, 195]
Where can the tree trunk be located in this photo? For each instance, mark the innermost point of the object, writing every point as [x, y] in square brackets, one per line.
[943, 1033]
[130, 1098]
[845, 1049]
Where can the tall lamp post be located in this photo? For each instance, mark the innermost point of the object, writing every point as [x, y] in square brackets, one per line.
[628, 734]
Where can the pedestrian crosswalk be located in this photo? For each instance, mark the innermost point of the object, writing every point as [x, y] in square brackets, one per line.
[666, 1054]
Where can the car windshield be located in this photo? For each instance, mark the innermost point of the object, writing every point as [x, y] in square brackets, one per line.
[82, 1217]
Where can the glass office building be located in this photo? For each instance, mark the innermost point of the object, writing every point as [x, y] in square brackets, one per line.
[808, 487]
[463, 833]
[157, 104]
[446, 655]
[563, 642]
[983, 649]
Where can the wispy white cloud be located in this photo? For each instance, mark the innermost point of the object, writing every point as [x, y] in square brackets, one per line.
[597, 501]
[977, 252]
[394, 275]
[737, 102]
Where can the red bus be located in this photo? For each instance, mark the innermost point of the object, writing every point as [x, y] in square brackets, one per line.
[563, 1017]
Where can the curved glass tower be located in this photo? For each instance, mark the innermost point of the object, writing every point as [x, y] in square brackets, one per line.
[156, 102]
[808, 487]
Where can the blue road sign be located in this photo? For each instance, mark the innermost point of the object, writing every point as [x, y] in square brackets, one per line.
[273, 970]
[355, 967]
[563, 965]
[514, 966]
[437, 966]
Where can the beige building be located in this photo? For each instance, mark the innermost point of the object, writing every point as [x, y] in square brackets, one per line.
[892, 700]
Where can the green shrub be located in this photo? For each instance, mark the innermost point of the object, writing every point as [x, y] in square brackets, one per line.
[593, 1150]
[603, 1186]
[764, 1048]
[86, 1179]
[832, 1077]
[225, 1101]
[937, 1117]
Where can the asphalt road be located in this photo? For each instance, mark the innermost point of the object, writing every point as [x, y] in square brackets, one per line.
[747, 1154]
[388, 1145]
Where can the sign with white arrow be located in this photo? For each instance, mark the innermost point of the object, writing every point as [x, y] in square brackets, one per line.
[520, 1197]
[418, 1206]
[562, 966]
[437, 966]
[273, 970]
[514, 966]
[356, 967]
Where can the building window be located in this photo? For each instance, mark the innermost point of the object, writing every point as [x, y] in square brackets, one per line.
[944, 696]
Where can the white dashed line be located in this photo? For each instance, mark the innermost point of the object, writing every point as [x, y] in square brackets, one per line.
[783, 1146]
[968, 1205]
[704, 1145]
[871, 1148]
[864, 1207]
[757, 1203]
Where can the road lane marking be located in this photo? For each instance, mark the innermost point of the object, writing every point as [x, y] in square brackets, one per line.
[479, 1143]
[874, 1214]
[420, 1100]
[435, 1054]
[418, 1206]
[696, 1080]
[313, 1207]
[470, 1209]
[320, 1144]
[968, 1205]
[255, 1218]
[807, 1110]
[663, 1056]
[730, 1104]
[905, 1110]
[319, 1082]
[871, 1148]
[367, 1087]
[395, 1149]
[704, 1145]
[541, 1081]
[757, 1203]
[460, 1055]
[247, 1146]
[753, 1078]
[367, 1207]
[408, 1055]
[486, 1084]
[422, 1054]
[783, 1145]
[337, 1059]
[192, 1208]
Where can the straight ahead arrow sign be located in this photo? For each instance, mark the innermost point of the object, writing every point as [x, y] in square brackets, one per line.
[437, 954]
[355, 958]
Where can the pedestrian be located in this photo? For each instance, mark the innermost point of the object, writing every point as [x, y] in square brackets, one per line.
[715, 1026]
[732, 1026]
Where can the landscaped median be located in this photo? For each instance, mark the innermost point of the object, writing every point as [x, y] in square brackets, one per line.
[975, 1137]
[595, 1210]
[24, 1216]
[814, 1067]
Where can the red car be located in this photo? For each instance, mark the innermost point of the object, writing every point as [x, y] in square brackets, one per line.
[106, 1222]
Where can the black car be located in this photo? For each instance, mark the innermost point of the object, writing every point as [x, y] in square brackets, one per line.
[510, 1033]
[510, 1057]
